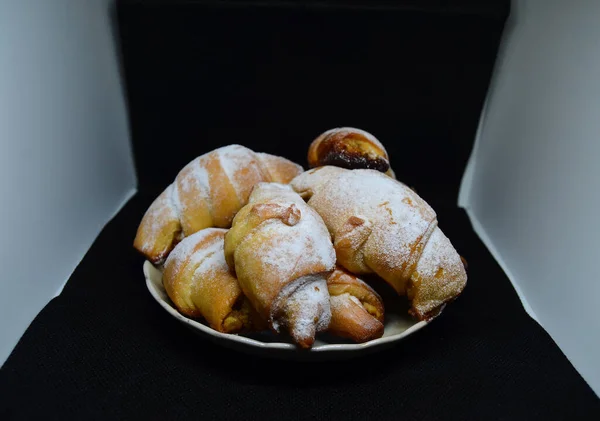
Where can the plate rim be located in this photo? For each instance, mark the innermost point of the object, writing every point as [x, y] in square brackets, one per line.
[280, 346]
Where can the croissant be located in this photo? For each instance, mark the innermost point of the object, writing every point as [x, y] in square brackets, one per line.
[207, 192]
[282, 255]
[350, 148]
[381, 226]
[356, 309]
[197, 279]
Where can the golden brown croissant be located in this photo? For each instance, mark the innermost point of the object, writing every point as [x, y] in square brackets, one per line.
[198, 281]
[282, 254]
[381, 226]
[350, 148]
[356, 309]
[207, 192]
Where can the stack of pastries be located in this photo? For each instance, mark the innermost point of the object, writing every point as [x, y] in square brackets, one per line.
[248, 241]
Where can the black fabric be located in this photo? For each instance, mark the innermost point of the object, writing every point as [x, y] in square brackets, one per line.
[199, 77]
[273, 78]
[104, 349]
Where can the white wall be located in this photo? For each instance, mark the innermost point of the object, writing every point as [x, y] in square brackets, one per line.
[65, 161]
[533, 184]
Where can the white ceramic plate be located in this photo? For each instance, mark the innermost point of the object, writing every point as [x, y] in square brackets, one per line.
[398, 325]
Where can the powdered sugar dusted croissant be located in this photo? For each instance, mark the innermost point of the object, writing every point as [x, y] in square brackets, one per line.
[351, 148]
[207, 193]
[356, 309]
[381, 226]
[282, 254]
[198, 281]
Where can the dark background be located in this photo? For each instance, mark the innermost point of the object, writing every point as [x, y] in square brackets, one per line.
[272, 76]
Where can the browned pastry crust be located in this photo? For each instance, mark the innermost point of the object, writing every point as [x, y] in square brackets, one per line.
[198, 281]
[381, 226]
[207, 192]
[282, 254]
[357, 311]
[350, 148]
[464, 262]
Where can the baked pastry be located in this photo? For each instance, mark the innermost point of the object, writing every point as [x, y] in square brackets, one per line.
[381, 226]
[207, 192]
[356, 309]
[198, 281]
[282, 255]
[350, 148]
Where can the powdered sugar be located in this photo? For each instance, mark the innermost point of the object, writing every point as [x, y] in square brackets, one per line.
[213, 260]
[438, 254]
[389, 230]
[174, 200]
[356, 300]
[234, 158]
[343, 301]
[282, 258]
[208, 191]
[398, 218]
[201, 256]
[201, 176]
[158, 214]
[340, 303]
[307, 240]
[192, 182]
[184, 251]
[307, 309]
[266, 191]
[439, 274]
[277, 261]
[290, 250]
[195, 177]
